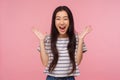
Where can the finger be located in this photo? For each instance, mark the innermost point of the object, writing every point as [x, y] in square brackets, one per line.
[34, 29]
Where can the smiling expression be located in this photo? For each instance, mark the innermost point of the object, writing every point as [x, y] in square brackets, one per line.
[62, 22]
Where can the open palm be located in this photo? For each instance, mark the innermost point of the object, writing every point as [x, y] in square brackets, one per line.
[39, 35]
[87, 30]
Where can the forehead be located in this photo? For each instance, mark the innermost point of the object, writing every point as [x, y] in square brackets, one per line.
[62, 14]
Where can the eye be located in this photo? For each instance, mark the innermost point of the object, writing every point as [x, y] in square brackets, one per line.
[65, 18]
[57, 18]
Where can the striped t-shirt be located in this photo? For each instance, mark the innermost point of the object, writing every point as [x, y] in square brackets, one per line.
[64, 66]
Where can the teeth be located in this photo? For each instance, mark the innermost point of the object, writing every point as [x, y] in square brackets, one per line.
[62, 27]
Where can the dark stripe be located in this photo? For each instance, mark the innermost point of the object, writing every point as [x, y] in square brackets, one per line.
[63, 60]
[62, 73]
[62, 63]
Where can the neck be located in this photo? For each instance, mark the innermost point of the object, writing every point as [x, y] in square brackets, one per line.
[63, 36]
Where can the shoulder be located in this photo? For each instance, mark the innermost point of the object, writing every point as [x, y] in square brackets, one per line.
[47, 38]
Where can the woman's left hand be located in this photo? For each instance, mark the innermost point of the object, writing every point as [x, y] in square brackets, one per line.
[87, 30]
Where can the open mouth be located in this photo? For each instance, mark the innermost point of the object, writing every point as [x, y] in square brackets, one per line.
[62, 28]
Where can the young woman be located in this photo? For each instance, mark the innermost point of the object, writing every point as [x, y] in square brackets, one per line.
[61, 51]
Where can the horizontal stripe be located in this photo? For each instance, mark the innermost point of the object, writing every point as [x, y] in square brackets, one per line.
[65, 75]
[61, 55]
[60, 59]
[63, 68]
[61, 64]
[60, 52]
[61, 73]
[64, 65]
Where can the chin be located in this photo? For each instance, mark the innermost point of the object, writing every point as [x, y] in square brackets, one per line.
[62, 33]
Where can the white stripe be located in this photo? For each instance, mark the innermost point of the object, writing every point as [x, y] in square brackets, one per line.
[62, 58]
[63, 66]
[59, 68]
[63, 45]
[61, 48]
[64, 51]
[61, 72]
[60, 55]
[59, 41]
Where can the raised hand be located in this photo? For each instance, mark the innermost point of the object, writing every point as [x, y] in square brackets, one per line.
[39, 35]
[86, 30]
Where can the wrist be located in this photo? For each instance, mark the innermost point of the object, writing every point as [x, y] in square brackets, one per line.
[41, 41]
[81, 39]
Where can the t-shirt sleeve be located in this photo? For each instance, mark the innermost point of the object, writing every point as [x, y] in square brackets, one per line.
[84, 49]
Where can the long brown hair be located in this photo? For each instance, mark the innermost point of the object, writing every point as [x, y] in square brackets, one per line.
[72, 39]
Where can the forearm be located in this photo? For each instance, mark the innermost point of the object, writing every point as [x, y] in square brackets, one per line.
[43, 54]
[79, 52]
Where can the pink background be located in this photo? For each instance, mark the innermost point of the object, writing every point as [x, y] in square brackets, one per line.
[19, 58]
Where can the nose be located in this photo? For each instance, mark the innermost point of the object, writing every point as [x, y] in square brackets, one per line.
[61, 21]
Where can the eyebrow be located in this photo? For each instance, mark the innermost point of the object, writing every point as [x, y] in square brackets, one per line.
[63, 16]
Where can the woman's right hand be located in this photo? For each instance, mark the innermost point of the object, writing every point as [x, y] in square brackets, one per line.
[39, 35]
[87, 30]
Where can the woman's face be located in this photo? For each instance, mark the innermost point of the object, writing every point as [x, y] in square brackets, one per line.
[62, 22]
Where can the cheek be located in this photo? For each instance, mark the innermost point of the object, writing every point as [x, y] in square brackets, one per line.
[56, 23]
[67, 23]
